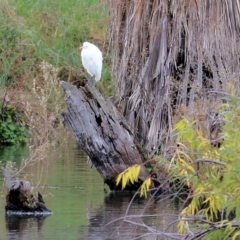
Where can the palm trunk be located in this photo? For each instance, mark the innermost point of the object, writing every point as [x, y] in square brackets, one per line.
[167, 55]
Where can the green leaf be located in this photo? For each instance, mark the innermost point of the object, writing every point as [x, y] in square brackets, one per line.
[11, 127]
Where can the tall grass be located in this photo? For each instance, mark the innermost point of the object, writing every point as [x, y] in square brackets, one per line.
[37, 30]
[51, 30]
[33, 31]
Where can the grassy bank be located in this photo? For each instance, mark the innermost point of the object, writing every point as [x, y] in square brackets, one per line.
[39, 40]
[52, 31]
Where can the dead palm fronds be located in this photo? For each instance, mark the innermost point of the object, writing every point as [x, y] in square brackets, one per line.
[167, 52]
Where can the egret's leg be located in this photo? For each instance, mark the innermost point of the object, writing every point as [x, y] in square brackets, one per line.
[93, 80]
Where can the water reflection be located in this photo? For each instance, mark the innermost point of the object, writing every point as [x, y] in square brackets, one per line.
[81, 208]
[13, 154]
[142, 219]
[18, 227]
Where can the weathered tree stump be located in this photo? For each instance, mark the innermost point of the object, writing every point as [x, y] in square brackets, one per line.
[102, 132]
[20, 199]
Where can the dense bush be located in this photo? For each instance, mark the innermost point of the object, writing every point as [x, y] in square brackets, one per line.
[11, 129]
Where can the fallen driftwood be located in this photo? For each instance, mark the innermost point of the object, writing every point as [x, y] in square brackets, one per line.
[20, 199]
[103, 133]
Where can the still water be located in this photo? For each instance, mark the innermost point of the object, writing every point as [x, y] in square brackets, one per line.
[83, 208]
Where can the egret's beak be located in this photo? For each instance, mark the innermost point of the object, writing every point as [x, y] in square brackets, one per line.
[81, 47]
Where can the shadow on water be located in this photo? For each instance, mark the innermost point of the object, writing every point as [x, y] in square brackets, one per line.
[75, 194]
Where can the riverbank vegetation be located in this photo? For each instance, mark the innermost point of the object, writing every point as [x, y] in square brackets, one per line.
[203, 174]
[38, 48]
[174, 92]
[210, 170]
[187, 65]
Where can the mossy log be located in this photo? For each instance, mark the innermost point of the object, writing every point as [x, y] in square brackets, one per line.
[102, 133]
[20, 199]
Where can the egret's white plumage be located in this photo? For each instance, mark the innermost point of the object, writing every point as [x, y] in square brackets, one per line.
[92, 60]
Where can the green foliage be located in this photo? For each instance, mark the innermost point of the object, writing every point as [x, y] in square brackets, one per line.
[107, 85]
[52, 31]
[11, 131]
[34, 32]
[57, 28]
[211, 173]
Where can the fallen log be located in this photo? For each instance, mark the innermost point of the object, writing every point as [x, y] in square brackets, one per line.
[102, 133]
[20, 199]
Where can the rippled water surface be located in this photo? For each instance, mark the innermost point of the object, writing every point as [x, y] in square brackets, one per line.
[83, 208]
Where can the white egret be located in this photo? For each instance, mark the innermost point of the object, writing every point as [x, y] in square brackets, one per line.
[92, 60]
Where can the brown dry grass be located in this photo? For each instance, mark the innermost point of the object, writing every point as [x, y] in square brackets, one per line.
[41, 105]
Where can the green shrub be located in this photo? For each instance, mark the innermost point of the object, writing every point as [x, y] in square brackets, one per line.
[212, 173]
[12, 132]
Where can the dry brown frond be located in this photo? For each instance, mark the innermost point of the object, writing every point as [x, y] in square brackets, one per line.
[167, 52]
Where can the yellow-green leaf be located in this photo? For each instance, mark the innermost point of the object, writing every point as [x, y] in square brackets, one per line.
[145, 187]
[129, 175]
[236, 234]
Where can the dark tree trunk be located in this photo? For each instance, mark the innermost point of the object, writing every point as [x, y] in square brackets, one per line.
[102, 132]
